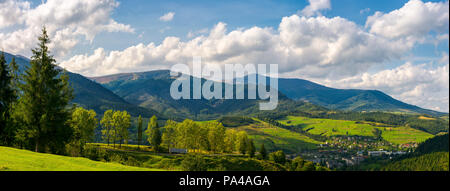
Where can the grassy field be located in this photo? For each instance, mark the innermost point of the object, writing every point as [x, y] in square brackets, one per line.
[275, 138]
[401, 135]
[12, 159]
[330, 127]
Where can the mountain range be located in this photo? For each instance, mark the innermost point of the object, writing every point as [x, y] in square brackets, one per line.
[148, 93]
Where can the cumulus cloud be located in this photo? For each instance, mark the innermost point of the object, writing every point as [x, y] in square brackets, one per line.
[315, 6]
[66, 22]
[325, 47]
[413, 21]
[420, 85]
[11, 12]
[167, 17]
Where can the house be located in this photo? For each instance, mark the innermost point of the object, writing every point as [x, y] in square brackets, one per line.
[176, 150]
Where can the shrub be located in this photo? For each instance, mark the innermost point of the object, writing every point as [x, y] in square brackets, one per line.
[193, 163]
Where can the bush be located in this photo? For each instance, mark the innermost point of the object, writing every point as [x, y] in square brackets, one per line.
[193, 163]
[278, 157]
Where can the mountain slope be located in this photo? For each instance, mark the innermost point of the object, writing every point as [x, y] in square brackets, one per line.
[90, 94]
[345, 99]
[152, 90]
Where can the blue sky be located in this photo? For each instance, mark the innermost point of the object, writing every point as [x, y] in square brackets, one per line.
[401, 50]
[195, 15]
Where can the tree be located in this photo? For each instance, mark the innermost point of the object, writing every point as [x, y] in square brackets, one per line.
[263, 152]
[121, 121]
[377, 133]
[216, 135]
[83, 123]
[251, 148]
[7, 97]
[45, 95]
[242, 141]
[153, 133]
[139, 138]
[107, 125]
[230, 140]
[169, 135]
[278, 157]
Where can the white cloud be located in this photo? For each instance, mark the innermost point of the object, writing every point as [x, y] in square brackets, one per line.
[413, 21]
[420, 85]
[366, 10]
[199, 32]
[167, 17]
[444, 58]
[315, 6]
[325, 47]
[66, 21]
[11, 12]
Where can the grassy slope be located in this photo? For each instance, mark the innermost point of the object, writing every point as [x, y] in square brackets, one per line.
[16, 159]
[330, 127]
[275, 138]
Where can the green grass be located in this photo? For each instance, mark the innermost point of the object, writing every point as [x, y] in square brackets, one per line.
[401, 135]
[12, 159]
[330, 127]
[275, 138]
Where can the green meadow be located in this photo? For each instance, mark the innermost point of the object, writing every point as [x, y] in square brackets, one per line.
[331, 127]
[12, 159]
[276, 138]
[401, 135]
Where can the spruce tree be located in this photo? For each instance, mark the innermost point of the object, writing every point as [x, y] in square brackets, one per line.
[251, 148]
[139, 138]
[45, 95]
[7, 97]
[263, 152]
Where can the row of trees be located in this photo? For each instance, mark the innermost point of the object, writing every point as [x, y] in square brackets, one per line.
[207, 136]
[115, 125]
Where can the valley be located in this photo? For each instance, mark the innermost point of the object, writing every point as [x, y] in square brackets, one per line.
[312, 123]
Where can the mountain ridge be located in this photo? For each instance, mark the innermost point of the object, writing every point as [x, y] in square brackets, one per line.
[303, 90]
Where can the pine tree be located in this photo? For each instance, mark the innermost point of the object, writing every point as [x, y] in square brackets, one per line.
[139, 130]
[7, 97]
[263, 152]
[251, 148]
[45, 95]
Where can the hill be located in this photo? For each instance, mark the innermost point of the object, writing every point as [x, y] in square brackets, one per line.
[24, 160]
[438, 161]
[430, 155]
[90, 94]
[152, 90]
[345, 99]
[333, 128]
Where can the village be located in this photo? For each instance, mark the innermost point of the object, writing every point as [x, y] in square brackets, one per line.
[338, 152]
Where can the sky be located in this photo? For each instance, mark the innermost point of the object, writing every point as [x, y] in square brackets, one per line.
[400, 47]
